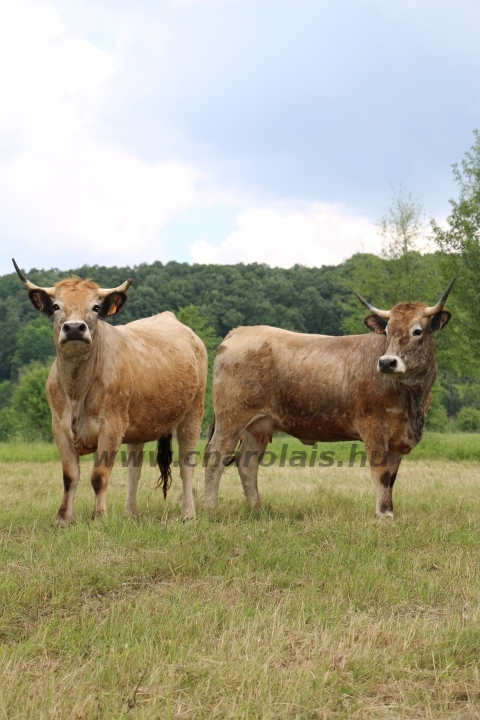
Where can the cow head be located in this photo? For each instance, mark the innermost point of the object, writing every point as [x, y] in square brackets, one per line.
[410, 329]
[76, 306]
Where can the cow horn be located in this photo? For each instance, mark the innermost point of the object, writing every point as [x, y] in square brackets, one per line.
[29, 285]
[439, 306]
[103, 292]
[381, 313]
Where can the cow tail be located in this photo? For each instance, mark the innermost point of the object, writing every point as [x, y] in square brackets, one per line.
[164, 462]
[211, 430]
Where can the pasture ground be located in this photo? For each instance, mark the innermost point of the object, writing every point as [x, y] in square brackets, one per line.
[311, 609]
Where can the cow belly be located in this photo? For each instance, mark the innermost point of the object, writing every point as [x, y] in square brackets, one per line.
[322, 430]
[155, 419]
[310, 431]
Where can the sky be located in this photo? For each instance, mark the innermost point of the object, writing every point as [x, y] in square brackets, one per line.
[223, 131]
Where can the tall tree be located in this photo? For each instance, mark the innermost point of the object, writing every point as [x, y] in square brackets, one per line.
[460, 242]
[403, 230]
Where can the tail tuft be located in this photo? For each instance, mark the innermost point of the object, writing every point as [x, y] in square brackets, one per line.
[164, 461]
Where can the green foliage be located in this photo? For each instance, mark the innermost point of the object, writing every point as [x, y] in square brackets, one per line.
[34, 343]
[436, 418]
[9, 424]
[30, 405]
[191, 317]
[468, 420]
[6, 392]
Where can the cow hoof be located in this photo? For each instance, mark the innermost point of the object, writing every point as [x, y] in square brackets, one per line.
[98, 514]
[210, 504]
[187, 519]
[387, 515]
[63, 522]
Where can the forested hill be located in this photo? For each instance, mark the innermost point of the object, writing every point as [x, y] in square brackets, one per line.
[213, 299]
[304, 299]
[315, 300]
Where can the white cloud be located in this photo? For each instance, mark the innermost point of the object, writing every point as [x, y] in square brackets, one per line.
[61, 186]
[282, 236]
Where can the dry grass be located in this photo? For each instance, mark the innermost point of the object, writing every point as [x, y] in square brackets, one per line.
[310, 609]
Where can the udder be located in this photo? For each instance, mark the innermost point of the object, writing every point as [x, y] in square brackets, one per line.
[263, 428]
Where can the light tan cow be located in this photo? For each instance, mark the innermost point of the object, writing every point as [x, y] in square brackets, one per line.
[373, 387]
[119, 384]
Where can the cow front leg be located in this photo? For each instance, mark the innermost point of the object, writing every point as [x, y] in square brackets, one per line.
[384, 466]
[250, 453]
[100, 479]
[135, 462]
[71, 476]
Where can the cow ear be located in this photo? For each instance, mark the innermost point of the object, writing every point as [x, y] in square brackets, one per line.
[41, 301]
[439, 320]
[376, 324]
[112, 303]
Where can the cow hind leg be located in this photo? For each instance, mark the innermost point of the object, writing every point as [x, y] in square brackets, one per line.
[217, 456]
[135, 461]
[188, 432]
[384, 468]
[250, 455]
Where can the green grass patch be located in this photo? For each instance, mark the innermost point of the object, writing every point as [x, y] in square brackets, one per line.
[310, 608]
[433, 446]
[18, 451]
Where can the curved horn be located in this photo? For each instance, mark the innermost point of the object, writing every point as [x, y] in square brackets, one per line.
[103, 292]
[29, 285]
[439, 306]
[381, 313]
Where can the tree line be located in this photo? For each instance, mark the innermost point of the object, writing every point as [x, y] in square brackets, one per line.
[213, 299]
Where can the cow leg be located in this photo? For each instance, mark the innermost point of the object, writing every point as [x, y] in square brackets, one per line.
[71, 476]
[216, 455]
[100, 479]
[108, 446]
[251, 452]
[135, 462]
[384, 466]
[188, 432]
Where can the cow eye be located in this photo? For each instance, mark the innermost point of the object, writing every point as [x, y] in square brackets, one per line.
[55, 306]
[96, 308]
[417, 332]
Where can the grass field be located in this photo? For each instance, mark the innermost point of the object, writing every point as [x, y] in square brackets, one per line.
[310, 609]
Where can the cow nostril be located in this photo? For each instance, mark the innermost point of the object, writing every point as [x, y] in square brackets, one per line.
[82, 327]
[393, 364]
[66, 327]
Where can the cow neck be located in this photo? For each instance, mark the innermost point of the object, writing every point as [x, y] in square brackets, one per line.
[418, 388]
[76, 374]
[415, 393]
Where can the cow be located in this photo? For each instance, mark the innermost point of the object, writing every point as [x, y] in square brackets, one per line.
[119, 384]
[373, 387]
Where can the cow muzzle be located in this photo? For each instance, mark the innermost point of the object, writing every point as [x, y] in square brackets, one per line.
[391, 364]
[75, 331]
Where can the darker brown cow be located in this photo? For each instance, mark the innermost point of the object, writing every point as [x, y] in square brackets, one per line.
[373, 387]
[125, 384]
